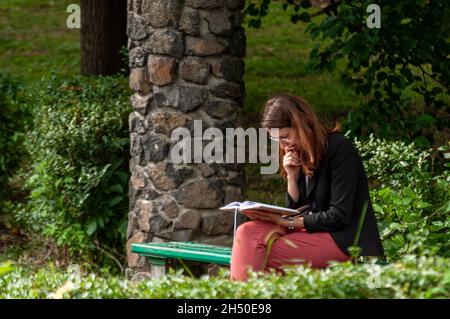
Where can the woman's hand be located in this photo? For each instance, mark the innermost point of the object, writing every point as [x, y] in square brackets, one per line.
[291, 163]
[266, 216]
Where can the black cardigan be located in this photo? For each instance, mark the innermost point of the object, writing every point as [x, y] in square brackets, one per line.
[336, 195]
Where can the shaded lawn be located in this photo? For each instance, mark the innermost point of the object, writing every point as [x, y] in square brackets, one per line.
[35, 41]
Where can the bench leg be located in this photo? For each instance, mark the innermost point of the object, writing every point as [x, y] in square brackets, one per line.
[158, 271]
[157, 267]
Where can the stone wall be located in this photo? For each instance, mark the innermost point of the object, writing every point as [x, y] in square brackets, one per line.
[186, 60]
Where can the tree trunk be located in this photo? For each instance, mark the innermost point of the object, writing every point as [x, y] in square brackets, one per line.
[103, 36]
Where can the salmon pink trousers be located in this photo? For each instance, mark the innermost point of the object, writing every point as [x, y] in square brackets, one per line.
[253, 238]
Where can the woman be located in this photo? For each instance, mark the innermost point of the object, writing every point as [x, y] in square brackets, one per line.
[323, 170]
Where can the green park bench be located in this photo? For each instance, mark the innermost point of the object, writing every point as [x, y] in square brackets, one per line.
[158, 253]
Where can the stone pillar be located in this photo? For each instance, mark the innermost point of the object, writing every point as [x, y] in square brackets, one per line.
[186, 61]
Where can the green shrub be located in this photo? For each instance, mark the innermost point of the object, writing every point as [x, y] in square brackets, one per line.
[410, 194]
[79, 170]
[395, 163]
[409, 224]
[13, 120]
[411, 277]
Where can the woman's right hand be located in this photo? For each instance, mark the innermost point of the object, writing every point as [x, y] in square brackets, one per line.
[291, 163]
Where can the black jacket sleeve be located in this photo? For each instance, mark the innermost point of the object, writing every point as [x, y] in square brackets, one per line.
[290, 203]
[344, 174]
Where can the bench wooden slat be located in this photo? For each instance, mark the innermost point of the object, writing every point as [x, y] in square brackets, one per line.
[196, 245]
[188, 251]
[192, 246]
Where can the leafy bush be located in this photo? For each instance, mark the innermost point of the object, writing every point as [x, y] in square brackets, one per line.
[79, 173]
[409, 224]
[411, 196]
[13, 119]
[411, 277]
[395, 163]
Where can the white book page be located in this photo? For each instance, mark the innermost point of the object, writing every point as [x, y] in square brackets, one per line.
[247, 205]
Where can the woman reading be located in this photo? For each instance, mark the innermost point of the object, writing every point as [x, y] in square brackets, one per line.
[324, 171]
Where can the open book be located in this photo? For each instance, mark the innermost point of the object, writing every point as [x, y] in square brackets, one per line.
[242, 206]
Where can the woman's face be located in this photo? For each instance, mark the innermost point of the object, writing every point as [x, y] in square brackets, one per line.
[287, 137]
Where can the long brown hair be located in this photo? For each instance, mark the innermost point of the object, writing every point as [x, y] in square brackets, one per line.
[287, 110]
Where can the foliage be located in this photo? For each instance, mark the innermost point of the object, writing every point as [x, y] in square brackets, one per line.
[79, 173]
[395, 163]
[410, 195]
[410, 224]
[398, 165]
[5, 267]
[411, 277]
[13, 119]
[404, 61]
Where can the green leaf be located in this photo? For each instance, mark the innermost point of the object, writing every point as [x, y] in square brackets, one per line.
[5, 267]
[438, 223]
[122, 176]
[305, 17]
[117, 188]
[423, 205]
[100, 223]
[306, 4]
[436, 90]
[68, 180]
[91, 228]
[116, 200]
[295, 18]
[123, 228]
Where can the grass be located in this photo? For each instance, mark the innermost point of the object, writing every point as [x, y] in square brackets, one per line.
[35, 41]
